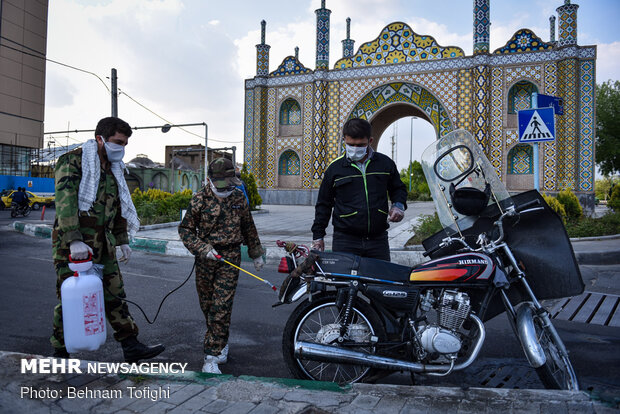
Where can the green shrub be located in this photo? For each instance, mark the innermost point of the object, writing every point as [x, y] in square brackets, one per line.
[590, 227]
[251, 188]
[556, 206]
[570, 203]
[614, 201]
[412, 195]
[425, 227]
[156, 206]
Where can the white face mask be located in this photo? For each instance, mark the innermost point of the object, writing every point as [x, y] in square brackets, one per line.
[221, 194]
[114, 152]
[355, 153]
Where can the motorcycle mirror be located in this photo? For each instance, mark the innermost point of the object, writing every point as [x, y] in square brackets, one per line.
[455, 163]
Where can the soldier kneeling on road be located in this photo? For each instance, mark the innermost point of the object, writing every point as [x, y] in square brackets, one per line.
[217, 222]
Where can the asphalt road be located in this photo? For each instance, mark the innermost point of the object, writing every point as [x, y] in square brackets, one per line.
[27, 283]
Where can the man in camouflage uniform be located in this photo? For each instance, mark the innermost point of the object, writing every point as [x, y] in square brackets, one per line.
[217, 222]
[98, 231]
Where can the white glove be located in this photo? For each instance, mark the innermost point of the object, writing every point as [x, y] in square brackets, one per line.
[259, 262]
[126, 251]
[396, 214]
[318, 244]
[79, 250]
[212, 255]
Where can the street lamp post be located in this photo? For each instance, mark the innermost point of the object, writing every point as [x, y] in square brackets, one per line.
[411, 152]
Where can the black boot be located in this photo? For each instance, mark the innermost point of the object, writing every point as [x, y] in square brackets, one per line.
[133, 350]
[61, 353]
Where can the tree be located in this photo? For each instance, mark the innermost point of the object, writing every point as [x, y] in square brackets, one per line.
[608, 127]
[252, 190]
[418, 180]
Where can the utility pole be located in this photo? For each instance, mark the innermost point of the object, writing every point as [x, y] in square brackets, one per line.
[394, 133]
[114, 93]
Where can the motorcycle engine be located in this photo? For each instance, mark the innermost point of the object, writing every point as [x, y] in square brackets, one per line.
[442, 337]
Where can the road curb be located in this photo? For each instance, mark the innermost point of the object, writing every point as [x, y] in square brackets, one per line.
[409, 256]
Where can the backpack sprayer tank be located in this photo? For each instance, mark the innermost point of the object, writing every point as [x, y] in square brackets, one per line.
[83, 308]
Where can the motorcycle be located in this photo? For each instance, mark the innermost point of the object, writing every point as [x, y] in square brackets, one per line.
[17, 209]
[361, 317]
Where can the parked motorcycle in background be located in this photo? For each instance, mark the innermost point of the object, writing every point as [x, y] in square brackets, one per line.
[496, 253]
[23, 210]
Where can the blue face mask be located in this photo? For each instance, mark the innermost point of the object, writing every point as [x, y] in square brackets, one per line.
[114, 152]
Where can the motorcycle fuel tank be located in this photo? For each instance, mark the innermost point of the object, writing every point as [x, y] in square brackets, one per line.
[468, 268]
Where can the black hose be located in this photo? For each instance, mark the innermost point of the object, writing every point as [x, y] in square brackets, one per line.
[162, 301]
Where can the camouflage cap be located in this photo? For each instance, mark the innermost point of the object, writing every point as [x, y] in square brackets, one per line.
[222, 173]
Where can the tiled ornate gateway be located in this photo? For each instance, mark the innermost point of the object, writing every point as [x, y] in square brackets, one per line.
[294, 115]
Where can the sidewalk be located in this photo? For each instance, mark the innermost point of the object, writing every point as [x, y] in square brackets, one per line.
[197, 392]
[293, 223]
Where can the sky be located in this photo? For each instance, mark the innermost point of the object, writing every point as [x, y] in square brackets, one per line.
[185, 61]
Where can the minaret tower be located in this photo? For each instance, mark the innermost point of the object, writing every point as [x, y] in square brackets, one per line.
[262, 53]
[322, 37]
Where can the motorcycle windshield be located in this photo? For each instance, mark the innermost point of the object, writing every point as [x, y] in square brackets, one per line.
[457, 160]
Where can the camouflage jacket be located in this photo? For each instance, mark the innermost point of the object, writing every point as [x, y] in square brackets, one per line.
[210, 222]
[102, 227]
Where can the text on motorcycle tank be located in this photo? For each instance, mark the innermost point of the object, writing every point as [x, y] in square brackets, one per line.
[467, 267]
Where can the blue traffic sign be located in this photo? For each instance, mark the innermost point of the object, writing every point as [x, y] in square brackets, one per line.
[555, 101]
[536, 125]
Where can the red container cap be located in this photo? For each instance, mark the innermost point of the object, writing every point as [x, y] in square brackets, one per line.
[283, 266]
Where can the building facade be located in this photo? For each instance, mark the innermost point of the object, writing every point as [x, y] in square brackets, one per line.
[294, 115]
[23, 27]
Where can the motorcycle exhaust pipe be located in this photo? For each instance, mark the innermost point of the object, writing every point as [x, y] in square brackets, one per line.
[326, 353]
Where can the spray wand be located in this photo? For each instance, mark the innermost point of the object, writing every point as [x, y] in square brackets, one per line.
[219, 257]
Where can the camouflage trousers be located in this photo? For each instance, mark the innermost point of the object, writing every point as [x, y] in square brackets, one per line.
[216, 283]
[116, 310]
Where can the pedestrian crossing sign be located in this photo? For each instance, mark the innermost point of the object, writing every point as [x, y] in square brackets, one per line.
[537, 125]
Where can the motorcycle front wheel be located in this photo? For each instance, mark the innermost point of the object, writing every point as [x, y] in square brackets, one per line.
[13, 212]
[319, 321]
[26, 211]
[557, 372]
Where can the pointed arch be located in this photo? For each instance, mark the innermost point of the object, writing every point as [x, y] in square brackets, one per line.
[402, 92]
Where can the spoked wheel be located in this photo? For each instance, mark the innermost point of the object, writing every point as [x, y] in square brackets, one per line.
[26, 211]
[319, 321]
[557, 372]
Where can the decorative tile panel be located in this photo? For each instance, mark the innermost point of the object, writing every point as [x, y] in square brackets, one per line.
[403, 92]
[482, 23]
[398, 43]
[262, 60]
[567, 24]
[464, 100]
[532, 73]
[248, 141]
[333, 126]
[481, 75]
[494, 147]
[567, 135]
[524, 40]
[549, 147]
[290, 66]
[586, 138]
[521, 160]
[306, 170]
[320, 132]
[270, 168]
[322, 38]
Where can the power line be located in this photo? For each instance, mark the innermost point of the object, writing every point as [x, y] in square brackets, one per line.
[167, 121]
[51, 60]
[102, 81]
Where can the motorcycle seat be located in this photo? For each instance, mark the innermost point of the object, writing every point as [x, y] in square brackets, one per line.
[351, 264]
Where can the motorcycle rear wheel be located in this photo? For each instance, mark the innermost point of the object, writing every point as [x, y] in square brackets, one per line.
[13, 212]
[318, 321]
[557, 372]
[26, 211]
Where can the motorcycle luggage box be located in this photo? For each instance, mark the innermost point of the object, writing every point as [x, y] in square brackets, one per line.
[351, 264]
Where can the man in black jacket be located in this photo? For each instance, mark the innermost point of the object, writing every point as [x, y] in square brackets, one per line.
[356, 187]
